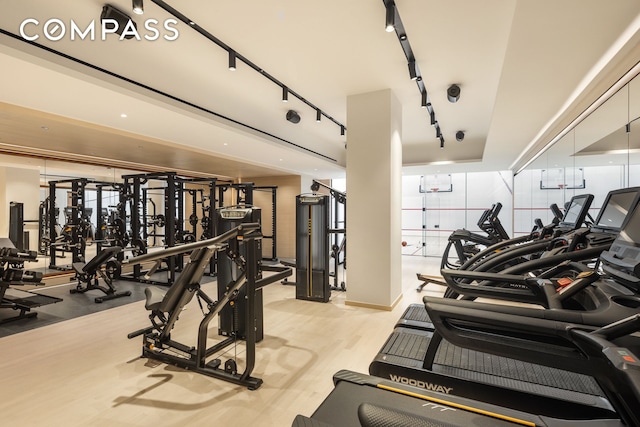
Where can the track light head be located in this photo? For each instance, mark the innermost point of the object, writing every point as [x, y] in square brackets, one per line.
[453, 93]
[441, 142]
[391, 19]
[413, 71]
[138, 7]
[459, 136]
[342, 131]
[293, 116]
[232, 60]
[285, 94]
[425, 99]
[318, 115]
[122, 19]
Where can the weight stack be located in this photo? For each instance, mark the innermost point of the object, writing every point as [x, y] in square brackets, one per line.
[232, 319]
[312, 247]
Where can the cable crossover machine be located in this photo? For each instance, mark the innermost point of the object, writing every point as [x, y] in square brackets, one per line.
[313, 249]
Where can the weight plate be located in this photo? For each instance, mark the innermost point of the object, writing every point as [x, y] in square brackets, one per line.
[193, 219]
[113, 269]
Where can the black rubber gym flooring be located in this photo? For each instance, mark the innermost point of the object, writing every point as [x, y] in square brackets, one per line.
[73, 305]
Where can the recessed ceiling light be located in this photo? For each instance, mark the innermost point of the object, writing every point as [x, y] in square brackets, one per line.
[225, 144]
[44, 128]
[192, 23]
[280, 159]
[123, 115]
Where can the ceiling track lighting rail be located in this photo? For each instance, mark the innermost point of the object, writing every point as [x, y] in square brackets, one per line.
[394, 23]
[235, 56]
[161, 93]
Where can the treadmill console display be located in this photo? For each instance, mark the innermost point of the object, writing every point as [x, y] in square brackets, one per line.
[622, 260]
[615, 209]
[576, 212]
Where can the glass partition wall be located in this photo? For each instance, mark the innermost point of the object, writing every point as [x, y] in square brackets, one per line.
[600, 154]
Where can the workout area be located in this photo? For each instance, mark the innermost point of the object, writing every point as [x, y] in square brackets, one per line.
[173, 242]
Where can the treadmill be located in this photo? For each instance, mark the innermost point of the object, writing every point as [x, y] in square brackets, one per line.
[537, 384]
[613, 213]
[363, 400]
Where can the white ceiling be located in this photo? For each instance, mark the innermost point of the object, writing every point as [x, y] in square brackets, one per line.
[521, 65]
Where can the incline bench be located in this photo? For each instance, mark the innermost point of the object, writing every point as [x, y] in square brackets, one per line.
[89, 274]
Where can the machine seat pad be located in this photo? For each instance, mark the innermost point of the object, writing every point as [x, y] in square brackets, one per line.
[78, 267]
[154, 296]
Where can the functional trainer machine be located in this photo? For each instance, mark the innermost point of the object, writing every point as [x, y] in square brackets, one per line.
[165, 306]
[312, 247]
[337, 229]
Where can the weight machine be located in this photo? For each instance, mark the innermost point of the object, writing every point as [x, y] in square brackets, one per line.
[12, 273]
[166, 306]
[339, 245]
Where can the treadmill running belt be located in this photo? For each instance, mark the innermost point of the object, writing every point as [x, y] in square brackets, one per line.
[416, 313]
[479, 366]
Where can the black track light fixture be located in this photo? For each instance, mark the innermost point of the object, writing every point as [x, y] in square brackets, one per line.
[342, 130]
[441, 142]
[293, 116]
[453, 93]
[432, 114]
[390, 23]
[285, 94]
[318, 115]
[413, 72]
[232, 60]
[425, 100]
[460, 136]
[438, 132]
[138, 7]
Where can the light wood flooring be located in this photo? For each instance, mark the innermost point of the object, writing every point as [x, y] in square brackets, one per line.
[85, 372]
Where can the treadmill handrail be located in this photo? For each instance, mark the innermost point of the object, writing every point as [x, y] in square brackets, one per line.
[530, 339]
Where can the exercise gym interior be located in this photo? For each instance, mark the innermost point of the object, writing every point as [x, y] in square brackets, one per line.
[173, 240]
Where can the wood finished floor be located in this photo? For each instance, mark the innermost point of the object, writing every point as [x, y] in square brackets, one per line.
[85, 372]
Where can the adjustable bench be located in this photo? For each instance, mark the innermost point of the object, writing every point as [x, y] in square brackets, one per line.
[90, 273]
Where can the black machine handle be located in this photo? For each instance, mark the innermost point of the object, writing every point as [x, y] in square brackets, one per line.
[536, 290]
[621, 374]
[244, 229]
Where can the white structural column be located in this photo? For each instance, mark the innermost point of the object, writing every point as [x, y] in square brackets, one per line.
[374, 180]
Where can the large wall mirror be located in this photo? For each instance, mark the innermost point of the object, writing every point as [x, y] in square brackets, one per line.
[600, 154]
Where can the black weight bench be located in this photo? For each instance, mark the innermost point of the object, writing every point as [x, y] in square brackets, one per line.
[90, 273]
